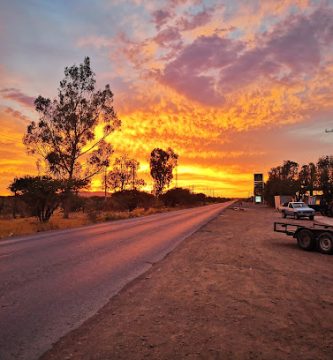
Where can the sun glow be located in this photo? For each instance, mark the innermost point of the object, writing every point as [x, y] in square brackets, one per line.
[222, 85]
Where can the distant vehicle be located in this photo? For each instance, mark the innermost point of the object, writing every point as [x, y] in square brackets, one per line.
[309, 238]
[297, 209]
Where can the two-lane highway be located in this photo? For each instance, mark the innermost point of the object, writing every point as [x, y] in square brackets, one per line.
[51, 282]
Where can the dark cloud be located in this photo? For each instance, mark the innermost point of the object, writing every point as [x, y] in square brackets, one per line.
[170, 35]
[212, 66]
[18, 96]
[189, 21]
[160, 17]
[186, 73]
[192, 21]
[16, 114]
[291, 52]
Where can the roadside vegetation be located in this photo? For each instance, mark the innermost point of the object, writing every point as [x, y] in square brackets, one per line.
[299, 181]
[95, 209]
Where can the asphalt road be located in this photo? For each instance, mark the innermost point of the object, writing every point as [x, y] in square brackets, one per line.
[51, 282]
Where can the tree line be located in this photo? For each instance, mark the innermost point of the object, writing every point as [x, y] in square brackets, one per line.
[292, 179]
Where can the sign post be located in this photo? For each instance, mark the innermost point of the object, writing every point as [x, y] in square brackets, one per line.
[258, 191]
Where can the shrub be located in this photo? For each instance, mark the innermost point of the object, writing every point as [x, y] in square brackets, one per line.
[179, 196]
[131, 199]
[40, 193]
[92, 216]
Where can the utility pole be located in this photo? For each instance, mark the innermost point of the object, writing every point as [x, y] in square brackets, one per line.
[105, 182]
[176, 175]
[38, 167]
[133, 176]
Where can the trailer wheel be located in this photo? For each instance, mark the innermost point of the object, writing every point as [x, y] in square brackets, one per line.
[284, 215]
[305, 239]
[325, 243]
[296, 217]
[311, 217]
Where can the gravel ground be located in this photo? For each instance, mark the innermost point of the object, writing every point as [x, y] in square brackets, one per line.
[233, 290]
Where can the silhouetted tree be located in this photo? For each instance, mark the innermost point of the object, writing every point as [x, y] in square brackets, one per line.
[124, 175]
[41, 194]
[134, 182]
[282, 180]
[289, 170]
[65, 134]
[14, 188]
[307, 178]
[325, 177]
[162, 164]
[131, 199]
[180, 196]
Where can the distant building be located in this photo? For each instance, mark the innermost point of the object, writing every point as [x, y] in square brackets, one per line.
[258, 188]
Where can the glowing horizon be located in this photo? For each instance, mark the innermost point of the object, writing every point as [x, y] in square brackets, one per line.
[234, 89]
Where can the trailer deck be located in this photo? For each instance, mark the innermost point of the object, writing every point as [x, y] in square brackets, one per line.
[318, 236]
[290, 228]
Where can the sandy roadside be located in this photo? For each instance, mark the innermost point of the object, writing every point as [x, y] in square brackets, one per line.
[233, 290]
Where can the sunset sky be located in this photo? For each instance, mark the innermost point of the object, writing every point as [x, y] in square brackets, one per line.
[234, 87]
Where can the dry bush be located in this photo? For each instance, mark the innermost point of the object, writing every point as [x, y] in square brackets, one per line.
[46, 226]
[116, 215]
[93, 216]
[131, 199]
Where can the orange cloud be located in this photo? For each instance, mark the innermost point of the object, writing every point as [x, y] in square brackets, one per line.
[225, 87]
[14, 161]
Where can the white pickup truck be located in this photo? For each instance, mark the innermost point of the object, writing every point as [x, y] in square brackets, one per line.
[297, 210]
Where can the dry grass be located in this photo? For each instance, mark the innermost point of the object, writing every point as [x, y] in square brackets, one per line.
[24, 226]
[30, 225]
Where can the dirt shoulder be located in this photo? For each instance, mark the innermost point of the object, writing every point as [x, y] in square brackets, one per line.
[233, 290]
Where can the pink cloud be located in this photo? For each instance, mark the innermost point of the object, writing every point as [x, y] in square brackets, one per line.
[160, 17]
[134, 51]
[292, 50]
[190, 21]
[186, 73]
[17, 96]
[212, 66]
[16, 114]
[175, 3]
[167, 36]
[94, 41]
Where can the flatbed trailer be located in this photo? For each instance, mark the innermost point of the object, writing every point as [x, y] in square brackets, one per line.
[317, 236]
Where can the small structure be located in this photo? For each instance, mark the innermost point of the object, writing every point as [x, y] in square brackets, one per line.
[258, 188]
[282, 199]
